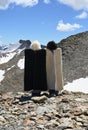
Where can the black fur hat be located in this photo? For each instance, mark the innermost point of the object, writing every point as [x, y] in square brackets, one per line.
[51, 45]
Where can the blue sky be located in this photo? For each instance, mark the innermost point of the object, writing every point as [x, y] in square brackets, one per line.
[42, 20]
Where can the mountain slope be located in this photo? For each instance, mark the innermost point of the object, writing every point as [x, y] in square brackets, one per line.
[14, 74]
[75, 56]
[75, 62]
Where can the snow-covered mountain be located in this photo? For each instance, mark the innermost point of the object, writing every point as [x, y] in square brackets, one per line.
[75, 64]
[12, 66]
[9, 48]
[3, 47]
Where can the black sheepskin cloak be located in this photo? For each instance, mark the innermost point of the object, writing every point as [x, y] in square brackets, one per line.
[35, 70]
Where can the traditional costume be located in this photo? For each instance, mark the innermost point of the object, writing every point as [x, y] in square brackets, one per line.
[35, 68]
[54, 68]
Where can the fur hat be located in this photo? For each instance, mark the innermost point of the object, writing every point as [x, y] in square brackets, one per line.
[35, 45]
[51, 45]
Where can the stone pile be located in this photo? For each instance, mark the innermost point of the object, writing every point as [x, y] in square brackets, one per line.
[69, 111]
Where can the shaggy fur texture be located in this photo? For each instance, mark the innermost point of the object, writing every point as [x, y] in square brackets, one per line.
[51, 45]
[54, 67]
[35, 45]
[35, 68]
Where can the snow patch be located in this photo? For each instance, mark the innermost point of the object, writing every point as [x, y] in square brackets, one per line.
[20, 63]
[2, 72]
[79, 85]
[10, 48]
[6, 58]
[19, 51]
[10, 67]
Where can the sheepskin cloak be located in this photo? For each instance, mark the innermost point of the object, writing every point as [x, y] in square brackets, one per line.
[35, 70]
[54, 69]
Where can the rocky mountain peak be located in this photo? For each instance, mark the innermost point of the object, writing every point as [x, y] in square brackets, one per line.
[74, 55]
[24, 43]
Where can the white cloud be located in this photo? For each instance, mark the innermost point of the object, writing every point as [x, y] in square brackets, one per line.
[76, 4]
[25, 2]
[4, 4]
[64, 27]
[83, 15]
[47, 1]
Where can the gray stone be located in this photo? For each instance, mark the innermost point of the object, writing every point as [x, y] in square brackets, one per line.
[59, 113]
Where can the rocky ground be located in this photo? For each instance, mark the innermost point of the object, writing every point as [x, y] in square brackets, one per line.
[68, 111]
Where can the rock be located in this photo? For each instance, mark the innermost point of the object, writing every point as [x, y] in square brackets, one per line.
[39, 99]
[28, 122]
[65, 100]
[80, 99]
[79, 120]
[2, 119]
[46, 109]
[41, 121]
[59, 113]
[78, 112]
[5, 96]
[16, 101]
[86, 113]
[65, 92]
[66, 122]
[40, 126]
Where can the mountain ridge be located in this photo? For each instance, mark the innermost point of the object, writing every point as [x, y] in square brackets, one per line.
[74, 55]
